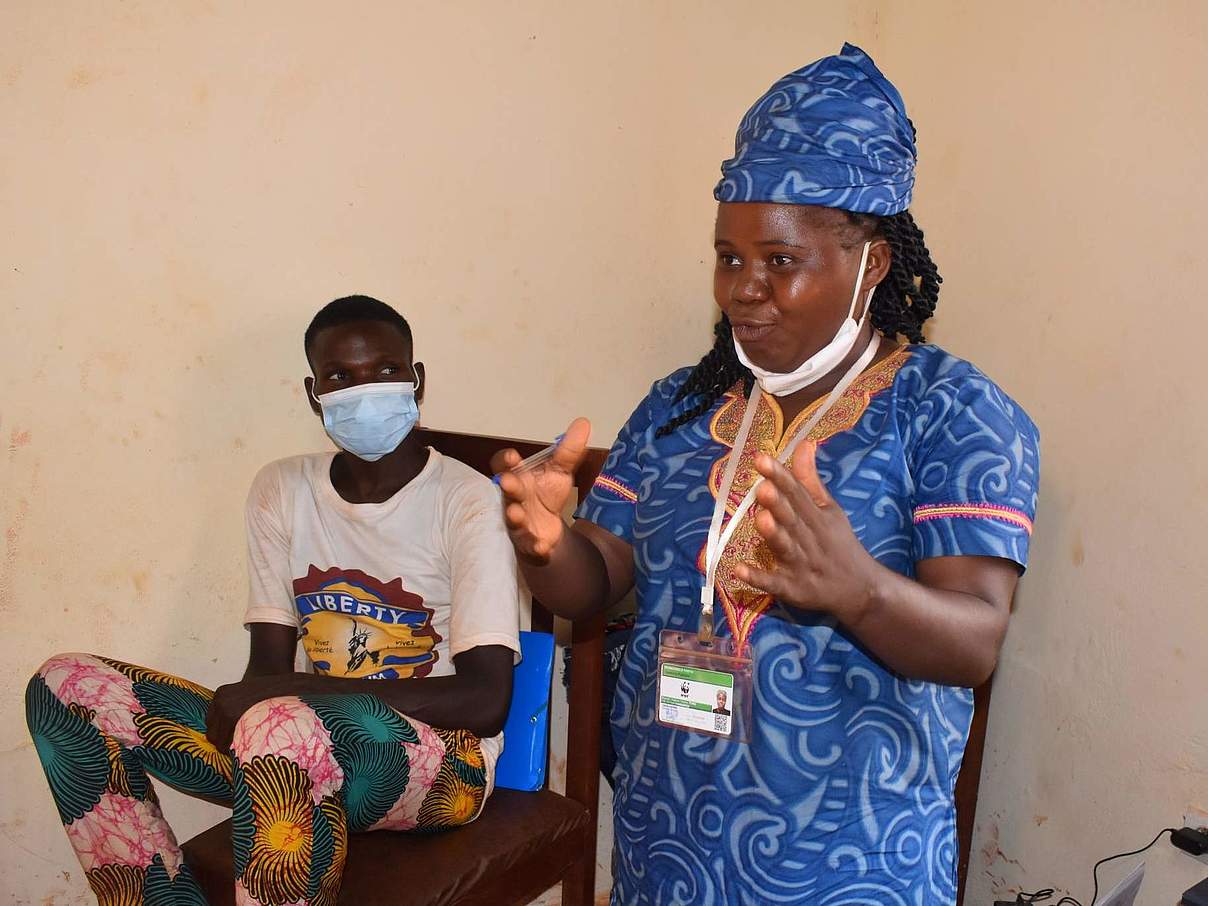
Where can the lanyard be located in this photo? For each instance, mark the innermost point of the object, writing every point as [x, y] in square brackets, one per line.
[717, 539]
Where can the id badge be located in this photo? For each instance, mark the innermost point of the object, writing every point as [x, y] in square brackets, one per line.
[704, 687]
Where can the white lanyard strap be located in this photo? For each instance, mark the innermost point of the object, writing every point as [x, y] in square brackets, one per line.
[717, 540]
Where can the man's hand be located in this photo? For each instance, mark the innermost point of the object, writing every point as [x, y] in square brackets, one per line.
[270, 672]
[233, 700]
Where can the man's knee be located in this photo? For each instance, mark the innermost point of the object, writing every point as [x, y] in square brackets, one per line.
[269, 726]
[68, 662]
[58, 670]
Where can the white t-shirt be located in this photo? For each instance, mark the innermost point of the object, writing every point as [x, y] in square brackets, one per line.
[385, 590]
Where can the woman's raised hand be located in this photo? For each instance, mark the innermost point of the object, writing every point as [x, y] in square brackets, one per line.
[820, 564]
[533, 501]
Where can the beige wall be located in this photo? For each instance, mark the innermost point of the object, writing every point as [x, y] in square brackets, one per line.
[181, 185]
[1063, 190]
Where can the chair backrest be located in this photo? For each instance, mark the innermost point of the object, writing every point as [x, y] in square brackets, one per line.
[587, 636]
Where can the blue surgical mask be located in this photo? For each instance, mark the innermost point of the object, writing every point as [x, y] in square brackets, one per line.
[370, 420]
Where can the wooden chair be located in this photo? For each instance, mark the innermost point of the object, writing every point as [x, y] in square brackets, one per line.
[967, 785]
[523, 843]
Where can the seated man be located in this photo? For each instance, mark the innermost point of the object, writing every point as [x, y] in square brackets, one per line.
[391, 563]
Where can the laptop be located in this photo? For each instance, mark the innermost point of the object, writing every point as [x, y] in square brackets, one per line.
[1125, 893]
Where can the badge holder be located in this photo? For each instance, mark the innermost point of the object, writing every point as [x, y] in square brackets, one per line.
[704, 686]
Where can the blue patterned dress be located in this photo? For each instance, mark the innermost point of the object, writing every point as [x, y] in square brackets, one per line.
[845, 793]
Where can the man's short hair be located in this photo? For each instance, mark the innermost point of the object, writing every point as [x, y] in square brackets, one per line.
[350, 309]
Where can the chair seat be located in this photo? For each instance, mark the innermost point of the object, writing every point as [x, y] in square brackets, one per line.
[521, 844]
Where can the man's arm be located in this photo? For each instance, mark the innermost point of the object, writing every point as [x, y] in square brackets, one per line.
[273, 649]
[476, 698]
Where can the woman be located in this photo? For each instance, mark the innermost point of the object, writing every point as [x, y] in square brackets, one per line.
[866, 584]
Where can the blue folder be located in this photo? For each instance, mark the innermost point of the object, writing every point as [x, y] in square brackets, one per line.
[526, 733]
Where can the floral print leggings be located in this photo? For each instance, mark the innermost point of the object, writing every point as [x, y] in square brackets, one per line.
[303, 771]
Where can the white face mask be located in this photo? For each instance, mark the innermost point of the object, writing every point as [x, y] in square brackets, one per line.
[370, 420]
[826, 359]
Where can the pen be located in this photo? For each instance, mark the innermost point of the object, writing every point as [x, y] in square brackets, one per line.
[529, 463]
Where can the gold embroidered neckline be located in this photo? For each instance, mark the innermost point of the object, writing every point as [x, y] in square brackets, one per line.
[877, 377]
[744, 605]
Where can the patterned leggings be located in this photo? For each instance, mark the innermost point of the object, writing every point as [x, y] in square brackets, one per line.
[302, 773]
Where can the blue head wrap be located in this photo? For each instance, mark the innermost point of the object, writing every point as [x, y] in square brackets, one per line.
[834, 133]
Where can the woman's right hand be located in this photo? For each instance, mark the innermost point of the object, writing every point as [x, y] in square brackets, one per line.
[533, 501]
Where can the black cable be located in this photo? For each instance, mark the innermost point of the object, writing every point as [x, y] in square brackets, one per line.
[1040, 895]
[1037, 896]
[1045, 894]
[1135, 852]
[1027, 899]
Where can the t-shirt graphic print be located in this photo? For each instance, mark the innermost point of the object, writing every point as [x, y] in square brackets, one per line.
[354, 625]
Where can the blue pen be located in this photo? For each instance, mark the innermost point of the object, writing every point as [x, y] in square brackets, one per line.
[531, 462]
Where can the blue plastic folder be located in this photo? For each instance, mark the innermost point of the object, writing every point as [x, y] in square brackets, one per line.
[526, 733]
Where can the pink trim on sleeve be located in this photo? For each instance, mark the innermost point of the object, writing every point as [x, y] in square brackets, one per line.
[616, 487]
[973, 511]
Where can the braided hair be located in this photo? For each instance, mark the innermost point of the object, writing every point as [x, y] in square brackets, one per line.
[900, 304]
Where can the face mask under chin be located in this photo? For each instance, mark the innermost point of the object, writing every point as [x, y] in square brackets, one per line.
[826, 359]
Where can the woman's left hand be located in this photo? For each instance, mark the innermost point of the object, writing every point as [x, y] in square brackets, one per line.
[820, 564]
